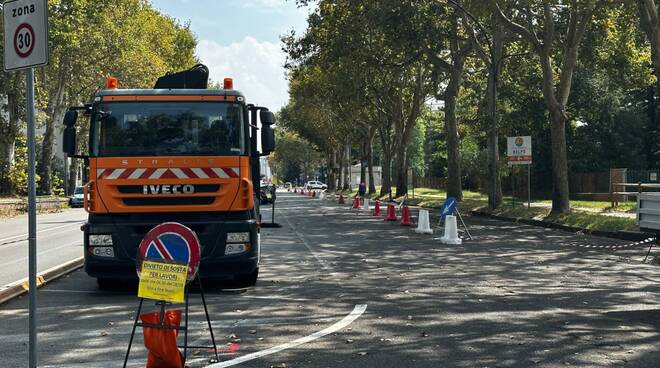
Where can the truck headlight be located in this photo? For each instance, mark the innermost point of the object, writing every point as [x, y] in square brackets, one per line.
[100, 239]
[238, 237]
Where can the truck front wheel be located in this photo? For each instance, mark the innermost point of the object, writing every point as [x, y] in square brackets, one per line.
[247, 279]
[107, 283]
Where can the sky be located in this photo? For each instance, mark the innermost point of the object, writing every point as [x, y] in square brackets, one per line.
[240, 39]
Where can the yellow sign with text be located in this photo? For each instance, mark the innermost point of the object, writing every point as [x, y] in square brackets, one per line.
[163, 281]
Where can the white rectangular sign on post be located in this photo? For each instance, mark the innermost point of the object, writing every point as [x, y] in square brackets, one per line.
[26, 34]
[519, 150]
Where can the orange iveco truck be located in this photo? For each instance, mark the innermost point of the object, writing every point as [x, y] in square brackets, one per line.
[177, 153]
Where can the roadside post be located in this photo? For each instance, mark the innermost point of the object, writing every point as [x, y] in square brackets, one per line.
[26, 47]
[273, 196]
[519, 152]
[167, 261]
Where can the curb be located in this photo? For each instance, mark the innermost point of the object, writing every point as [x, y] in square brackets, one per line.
[20, 287]
[623, 235]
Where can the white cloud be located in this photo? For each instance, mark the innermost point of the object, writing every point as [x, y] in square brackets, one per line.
[256, 67]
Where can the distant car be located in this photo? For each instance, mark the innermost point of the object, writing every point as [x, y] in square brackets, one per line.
[78, 198]
[315, 185]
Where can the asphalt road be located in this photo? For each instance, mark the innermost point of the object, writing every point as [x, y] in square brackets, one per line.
[342, 289]
[59, 240]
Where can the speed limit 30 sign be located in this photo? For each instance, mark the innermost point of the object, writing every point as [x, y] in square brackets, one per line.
[26, 33]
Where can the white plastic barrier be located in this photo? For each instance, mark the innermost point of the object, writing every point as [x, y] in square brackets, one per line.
[451, 231]
[423, 223]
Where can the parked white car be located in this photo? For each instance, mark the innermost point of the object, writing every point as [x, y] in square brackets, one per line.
[310, 185]
[77, 199]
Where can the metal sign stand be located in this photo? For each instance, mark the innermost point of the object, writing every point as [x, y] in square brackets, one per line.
[272, 218]
[161, 325]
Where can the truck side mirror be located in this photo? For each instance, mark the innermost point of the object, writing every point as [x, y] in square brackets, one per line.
[267, 117]
[267, 140]
[69, 134]
[267, 133]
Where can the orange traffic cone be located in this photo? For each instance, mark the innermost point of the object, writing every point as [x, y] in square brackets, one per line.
[405, 216]
[377, 208]
[341, 198]
[391, 212]
[161, 343]
[356, 203]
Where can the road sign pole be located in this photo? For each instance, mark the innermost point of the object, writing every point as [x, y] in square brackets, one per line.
[32, 222]
[529, 186]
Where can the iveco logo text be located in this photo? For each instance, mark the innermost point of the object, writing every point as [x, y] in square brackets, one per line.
[168, 189]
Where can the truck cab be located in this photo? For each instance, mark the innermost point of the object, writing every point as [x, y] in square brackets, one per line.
[186, 155]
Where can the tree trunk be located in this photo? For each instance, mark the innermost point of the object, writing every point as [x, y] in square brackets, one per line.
[495, 182]
[347, 166]
[370, 164]
[332, 167]
[560, 189]
[73, 175]
[56, 109]
[401, 171]
[386, 178]
[340, 172]
[560, 193]
[454, 187]
[363, 158]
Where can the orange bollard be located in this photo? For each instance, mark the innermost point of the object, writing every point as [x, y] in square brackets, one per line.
[356, 203]
[391, 212]
[341, 198]
[405, 216]
[161, 343]
[377, 208]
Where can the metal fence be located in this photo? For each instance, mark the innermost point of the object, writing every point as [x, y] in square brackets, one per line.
[429, 182]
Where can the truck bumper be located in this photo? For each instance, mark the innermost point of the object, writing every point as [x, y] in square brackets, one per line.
[127, 232]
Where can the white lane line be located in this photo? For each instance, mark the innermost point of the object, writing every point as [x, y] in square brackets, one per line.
[355, 314]
[304, 241]
[42, 252]
[40, 231]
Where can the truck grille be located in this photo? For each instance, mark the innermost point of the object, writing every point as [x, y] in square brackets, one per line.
[138, 189]
[168, 201]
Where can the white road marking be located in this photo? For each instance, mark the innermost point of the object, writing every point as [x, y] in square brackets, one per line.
[304, 241]
[42, 252]
[355, 314]
[40, 231]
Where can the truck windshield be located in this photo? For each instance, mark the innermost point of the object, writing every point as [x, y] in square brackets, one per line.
[168, 128]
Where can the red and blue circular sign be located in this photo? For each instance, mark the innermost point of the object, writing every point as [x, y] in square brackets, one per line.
[171, 242]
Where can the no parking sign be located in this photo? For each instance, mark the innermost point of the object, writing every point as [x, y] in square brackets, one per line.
[171, 242]
[168, 257]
